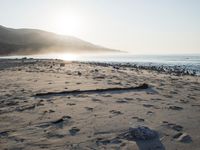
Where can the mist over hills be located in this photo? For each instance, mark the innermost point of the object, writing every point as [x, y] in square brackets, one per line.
[34, 41]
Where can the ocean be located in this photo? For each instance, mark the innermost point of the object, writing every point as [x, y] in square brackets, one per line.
[190, 63]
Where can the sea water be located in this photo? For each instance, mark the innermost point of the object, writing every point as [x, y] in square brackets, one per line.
[188, 62]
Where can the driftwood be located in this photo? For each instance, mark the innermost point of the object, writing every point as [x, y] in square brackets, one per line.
[140, 87]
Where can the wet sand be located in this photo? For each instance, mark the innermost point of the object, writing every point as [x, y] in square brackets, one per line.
[52, 104]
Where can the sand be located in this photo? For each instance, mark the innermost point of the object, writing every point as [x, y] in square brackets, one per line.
[163, 115]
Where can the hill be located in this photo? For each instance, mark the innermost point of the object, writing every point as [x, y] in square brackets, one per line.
[34, 41]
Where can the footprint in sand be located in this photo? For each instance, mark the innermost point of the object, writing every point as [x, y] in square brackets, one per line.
[116, 112]
[128, 99]
[148, 105]
[182, 137]
[49, 111]
[175, 107]
[184, 101]
[121, 101]
[89, 108]
[74, 130]
[150, 112]
[71, 104]
[96, 100]
[54, 135]
[58, 123]
[139, 119]
[168, 96]
[107, 95]
[4, 134]
[151, 106]
[101, 141]
[172, 126]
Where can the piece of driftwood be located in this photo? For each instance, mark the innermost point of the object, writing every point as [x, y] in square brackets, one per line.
[140, 87]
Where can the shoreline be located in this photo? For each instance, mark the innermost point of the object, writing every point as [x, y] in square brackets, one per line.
[177, 70]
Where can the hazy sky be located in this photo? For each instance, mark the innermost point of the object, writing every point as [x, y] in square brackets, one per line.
[138, 26]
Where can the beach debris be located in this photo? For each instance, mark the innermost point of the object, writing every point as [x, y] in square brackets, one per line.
[140, 87]
[73, 131]
[139, 133]
[182, 137]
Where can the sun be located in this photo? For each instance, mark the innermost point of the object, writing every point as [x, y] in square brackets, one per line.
[68, 23]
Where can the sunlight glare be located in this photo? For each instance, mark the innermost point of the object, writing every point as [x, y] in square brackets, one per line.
[67, 56]
[68, 23]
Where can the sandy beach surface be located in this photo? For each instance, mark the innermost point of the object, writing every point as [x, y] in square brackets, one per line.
[52, 104]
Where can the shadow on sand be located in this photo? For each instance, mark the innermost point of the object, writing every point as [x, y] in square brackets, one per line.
[154, 144]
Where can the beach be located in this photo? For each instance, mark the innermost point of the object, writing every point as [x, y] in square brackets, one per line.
[53, 104]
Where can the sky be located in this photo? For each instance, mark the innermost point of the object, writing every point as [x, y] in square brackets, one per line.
[136, 26]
